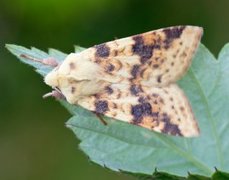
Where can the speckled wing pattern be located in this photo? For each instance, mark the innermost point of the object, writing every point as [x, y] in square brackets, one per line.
[165, 110]
[133, 79]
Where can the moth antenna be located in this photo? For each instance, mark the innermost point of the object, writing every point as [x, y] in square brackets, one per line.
[56, 94]
[48, 95]
[47, 61]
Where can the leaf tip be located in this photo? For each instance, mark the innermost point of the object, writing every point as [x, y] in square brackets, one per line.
[9, 46]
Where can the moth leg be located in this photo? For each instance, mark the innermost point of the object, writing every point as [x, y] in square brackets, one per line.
[56, 94]
[101, 118]
[50, 61]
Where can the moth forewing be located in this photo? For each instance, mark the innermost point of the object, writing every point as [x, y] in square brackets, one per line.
[165, 110]
[132, 79]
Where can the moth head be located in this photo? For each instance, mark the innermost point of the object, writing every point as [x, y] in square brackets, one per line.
[51, 78]
[75, 78]
[71, 88]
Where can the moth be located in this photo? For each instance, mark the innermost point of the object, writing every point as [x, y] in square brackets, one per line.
[133, 79]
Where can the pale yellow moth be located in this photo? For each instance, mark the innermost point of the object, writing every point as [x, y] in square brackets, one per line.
[133, 79]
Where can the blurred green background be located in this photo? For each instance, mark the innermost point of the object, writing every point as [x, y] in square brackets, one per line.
[34, 142]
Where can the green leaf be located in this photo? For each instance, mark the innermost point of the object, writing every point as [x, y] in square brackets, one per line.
[123, 147]
[78, 49]
[219, 175]
[156, 175]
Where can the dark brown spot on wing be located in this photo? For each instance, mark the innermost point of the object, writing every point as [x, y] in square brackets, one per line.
[115, 53]
[170, 128]
[155, 102]
[102, 50]
[155, 65]
[159, 78]
[142, 99]
[110, 68]
[174, 32]
[135, 89]
[155, 95]
[101, 107]
[135, 70]
[183, 55]
[139, 111]
[144, 51]
[161, 100]
[182, 108]
[115, 106]
[109, 90]
[171, 34]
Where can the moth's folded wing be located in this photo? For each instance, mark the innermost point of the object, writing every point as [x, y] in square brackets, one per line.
[164, 110]
[154, 58]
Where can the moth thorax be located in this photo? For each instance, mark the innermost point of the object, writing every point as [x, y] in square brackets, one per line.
[76, 90]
